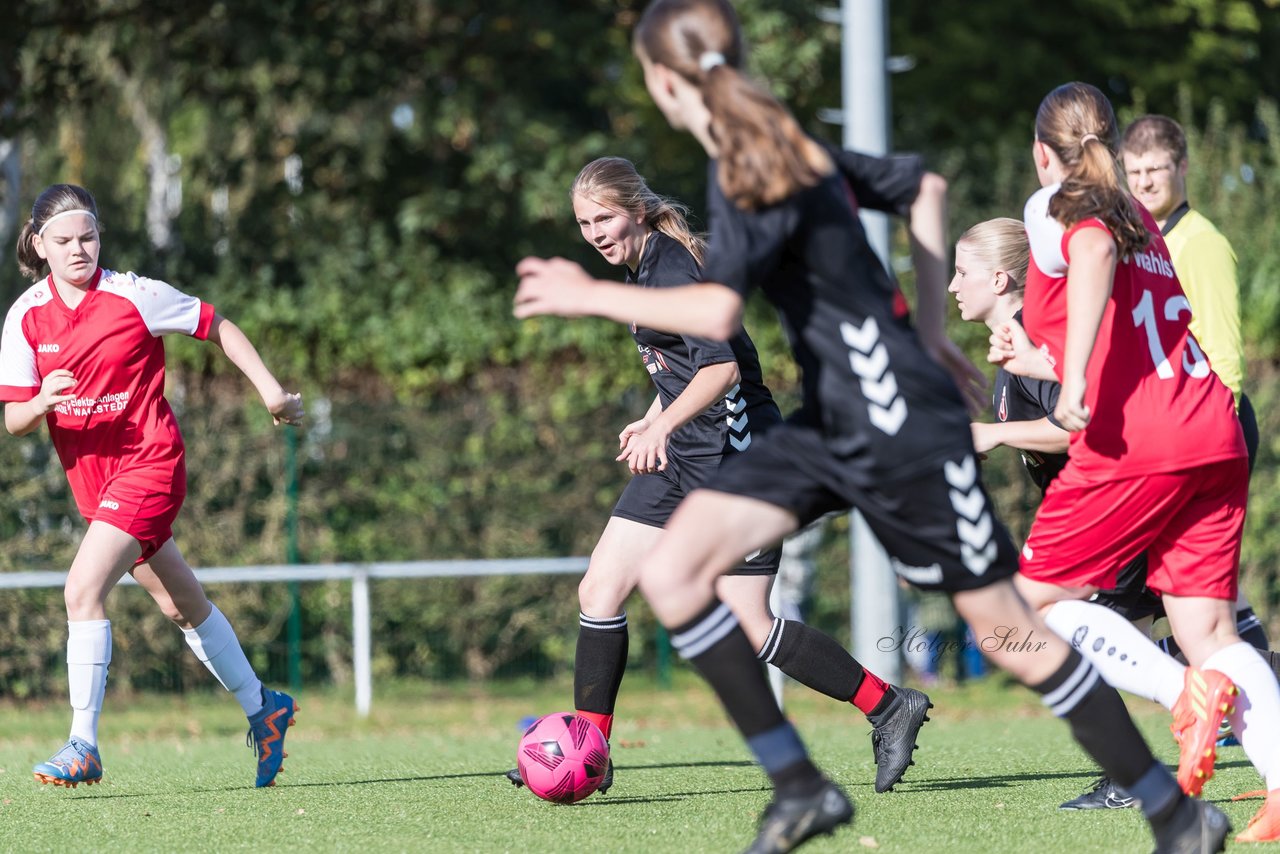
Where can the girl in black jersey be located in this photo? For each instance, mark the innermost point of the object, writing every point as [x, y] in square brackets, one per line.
[711, 403]
[882, 426]
[990, 275]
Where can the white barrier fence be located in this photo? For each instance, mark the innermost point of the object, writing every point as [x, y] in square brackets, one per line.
[359, 574]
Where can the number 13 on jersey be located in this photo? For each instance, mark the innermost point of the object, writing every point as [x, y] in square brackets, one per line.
[1144, 315]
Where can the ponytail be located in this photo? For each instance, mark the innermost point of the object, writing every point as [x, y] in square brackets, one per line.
[764, 156]
[30, 264]
[1076, 121]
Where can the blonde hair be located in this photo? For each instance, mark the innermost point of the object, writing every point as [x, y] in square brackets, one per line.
[55, 200]
[1076, 121]
[1002, 243]
[615, 183]
[764, 156]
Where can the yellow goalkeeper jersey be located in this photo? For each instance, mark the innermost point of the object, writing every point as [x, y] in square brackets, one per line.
[1206, 267]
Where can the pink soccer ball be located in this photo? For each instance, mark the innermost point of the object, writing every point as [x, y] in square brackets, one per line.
[562, 757]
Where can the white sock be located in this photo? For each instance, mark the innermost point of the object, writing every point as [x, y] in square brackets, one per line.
[1257, 716]
[88, 656]
[214, 642]
[1126, 658]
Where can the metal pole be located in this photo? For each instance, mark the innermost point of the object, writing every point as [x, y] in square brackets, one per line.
[293, 629]
[865, 85]
[662, 648]
[361, 642]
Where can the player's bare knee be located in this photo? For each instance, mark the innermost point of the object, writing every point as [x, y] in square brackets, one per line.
[601, 596]
[83, 601]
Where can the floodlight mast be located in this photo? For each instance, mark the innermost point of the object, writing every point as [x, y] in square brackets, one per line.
[874, 611]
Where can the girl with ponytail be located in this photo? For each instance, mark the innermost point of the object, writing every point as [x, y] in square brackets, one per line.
[711, 406]
[83, 353]
[882, 426]
[1154, 431]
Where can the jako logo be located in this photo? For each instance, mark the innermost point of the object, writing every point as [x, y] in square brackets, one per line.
[47, 348]
[110, 505]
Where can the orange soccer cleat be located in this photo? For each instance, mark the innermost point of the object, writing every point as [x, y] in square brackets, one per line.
[1265, 826]
[1206, 696]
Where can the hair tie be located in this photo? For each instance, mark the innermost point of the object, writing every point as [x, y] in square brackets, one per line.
[58, 216]
[1087, 137]
[710, 59]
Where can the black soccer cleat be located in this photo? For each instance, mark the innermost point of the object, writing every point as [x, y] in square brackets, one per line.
[788, 822]
[1104, 795]
[607, 783]
[1197, 827]
[893, 737]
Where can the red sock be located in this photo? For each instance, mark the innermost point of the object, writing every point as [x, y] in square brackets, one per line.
[870, 692]
[604, 722]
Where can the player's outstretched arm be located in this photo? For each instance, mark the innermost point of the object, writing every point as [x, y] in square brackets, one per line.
[928, 231]
[1041, 435]
[285, 407]
[560, 287]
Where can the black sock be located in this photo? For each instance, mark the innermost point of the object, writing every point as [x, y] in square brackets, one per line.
[1273, 658]
[1249, 627]
[1170, 646]
[599, 663]
[716, 645]
[813, 659]
[1099, 721]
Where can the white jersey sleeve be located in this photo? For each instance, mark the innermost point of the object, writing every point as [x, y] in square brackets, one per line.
[19, 379]
[1044, 233]
[164, 308]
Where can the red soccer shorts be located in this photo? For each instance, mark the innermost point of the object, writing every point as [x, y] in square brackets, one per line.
[1189, 522]
[144, 514]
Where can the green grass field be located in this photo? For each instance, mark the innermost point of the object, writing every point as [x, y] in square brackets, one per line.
[423, 774]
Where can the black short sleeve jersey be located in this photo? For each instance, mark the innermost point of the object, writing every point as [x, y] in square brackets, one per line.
[879, 399]
[888, 184]
[672, 360]
[1024, 399]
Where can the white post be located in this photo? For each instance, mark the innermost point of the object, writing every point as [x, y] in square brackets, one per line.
[865, 84]
[360, 641]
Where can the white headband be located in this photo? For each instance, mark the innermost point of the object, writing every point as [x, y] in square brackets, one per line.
[59, 216]
[710, 59]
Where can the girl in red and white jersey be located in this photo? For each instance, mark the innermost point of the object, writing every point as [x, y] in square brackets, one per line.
[82, 351]
[1157, 460]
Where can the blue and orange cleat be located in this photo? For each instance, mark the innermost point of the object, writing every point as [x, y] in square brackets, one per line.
[266, 734]
[1265, 826]
[1207, 695]
[78, 762]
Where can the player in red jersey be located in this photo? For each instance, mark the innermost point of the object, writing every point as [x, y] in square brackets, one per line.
[1156, 460]
[82, 352]
[882, 426]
